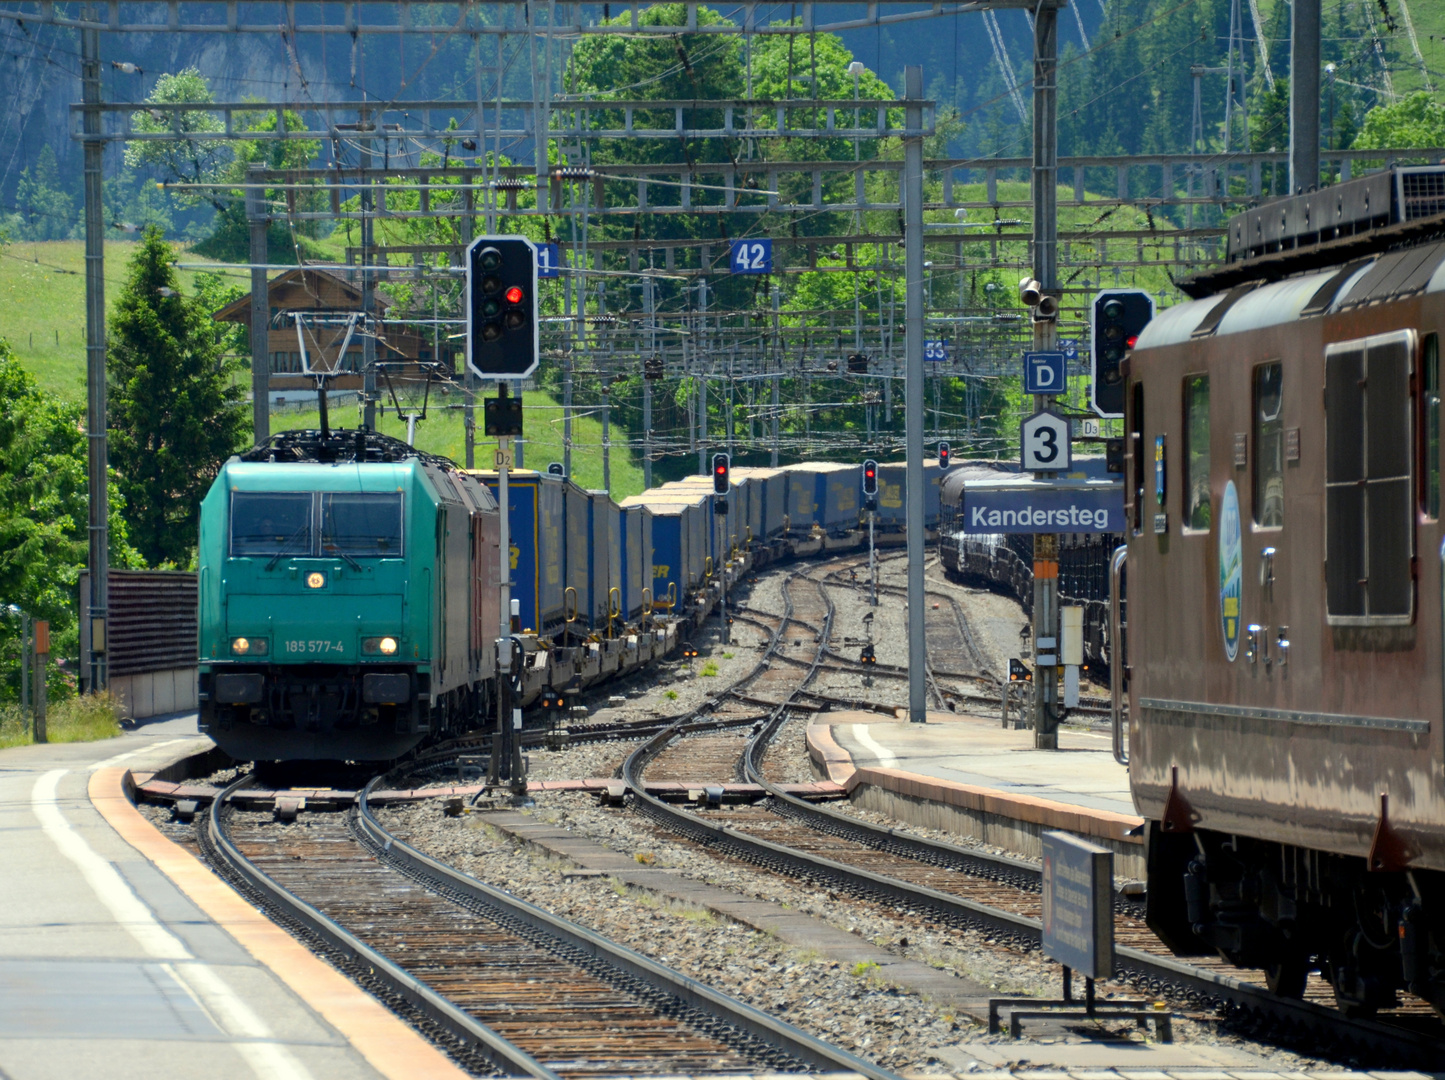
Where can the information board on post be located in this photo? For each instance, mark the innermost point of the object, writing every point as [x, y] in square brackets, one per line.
[1078, 905]
[1025, 505]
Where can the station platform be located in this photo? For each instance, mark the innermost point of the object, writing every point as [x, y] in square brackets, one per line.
[971, 776]
[122, 956]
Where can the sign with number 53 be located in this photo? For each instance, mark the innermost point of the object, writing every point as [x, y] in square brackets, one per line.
[752, 256]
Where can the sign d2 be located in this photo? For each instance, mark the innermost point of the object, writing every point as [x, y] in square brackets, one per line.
[751, 256]
[1044, 373]
[549, 260]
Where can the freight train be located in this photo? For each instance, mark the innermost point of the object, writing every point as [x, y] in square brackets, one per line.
[1284, 559]
[349, 585]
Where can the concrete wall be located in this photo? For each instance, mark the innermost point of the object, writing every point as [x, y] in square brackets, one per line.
[155, 693]
[999, 830]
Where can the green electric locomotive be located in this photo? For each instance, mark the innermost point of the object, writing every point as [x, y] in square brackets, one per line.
[348, 599]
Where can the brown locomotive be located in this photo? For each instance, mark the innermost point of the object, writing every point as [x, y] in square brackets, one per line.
[1286, 742]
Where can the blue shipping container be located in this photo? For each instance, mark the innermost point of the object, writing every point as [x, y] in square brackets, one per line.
[538, 552]
[636, 558]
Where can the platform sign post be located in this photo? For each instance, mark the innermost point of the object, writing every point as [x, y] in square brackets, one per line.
[1078, 907]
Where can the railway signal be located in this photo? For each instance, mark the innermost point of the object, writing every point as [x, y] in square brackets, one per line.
[943, 456]
[502, 325]
[870, 503]
[1117, 318]
[720, 482]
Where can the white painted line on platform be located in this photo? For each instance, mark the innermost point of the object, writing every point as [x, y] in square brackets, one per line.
[108, 762]
[886, 757]
[268, 1060]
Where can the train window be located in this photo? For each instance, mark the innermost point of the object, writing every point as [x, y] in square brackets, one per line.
[270, 523]
[1268, 446]
[1369, 519]
[1196, 453]
[361, 525]
[1430, 407]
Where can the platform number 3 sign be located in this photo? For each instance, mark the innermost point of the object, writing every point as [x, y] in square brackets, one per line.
[752, 257]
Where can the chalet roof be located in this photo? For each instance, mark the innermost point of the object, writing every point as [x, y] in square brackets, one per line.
[239, 310]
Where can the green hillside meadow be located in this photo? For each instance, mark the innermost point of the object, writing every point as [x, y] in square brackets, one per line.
[42, 315]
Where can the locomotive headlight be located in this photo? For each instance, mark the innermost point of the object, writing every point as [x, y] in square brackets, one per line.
[316, 580]
[383, 646]
[243, 646]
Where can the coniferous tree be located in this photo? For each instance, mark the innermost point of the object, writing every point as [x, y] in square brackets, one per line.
[44, 210]
[175, 413]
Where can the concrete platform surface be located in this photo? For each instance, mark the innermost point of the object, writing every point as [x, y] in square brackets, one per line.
[978, 751]
[108, 968]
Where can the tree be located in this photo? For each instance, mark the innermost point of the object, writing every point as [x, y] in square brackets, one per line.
[176, 414]
[45, 211]
[44, 511]
[192, 158]
[1414, 121]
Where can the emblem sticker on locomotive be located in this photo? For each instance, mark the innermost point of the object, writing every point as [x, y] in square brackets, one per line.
[1230, 570]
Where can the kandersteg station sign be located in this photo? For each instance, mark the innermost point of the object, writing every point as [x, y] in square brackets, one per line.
[1025, 505]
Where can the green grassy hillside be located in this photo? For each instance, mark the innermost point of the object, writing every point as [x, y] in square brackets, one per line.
[42, 306]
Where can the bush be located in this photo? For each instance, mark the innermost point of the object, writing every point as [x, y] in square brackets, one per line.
[86, 718]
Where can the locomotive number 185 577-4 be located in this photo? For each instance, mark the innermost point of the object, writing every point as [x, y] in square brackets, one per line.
[314, 647]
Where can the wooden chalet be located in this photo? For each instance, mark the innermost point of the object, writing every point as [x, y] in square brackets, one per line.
[329, 298]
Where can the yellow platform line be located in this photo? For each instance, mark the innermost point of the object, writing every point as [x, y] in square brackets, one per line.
[388, 1044]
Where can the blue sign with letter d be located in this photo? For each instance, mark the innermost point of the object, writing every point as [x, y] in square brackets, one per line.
[1044, 373]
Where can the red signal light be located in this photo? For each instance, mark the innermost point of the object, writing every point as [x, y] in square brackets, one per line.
[1130, 341]
[514, 295]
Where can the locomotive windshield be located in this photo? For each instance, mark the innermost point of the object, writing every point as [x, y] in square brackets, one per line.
[353, 524]
[270, 523]
[361, 525]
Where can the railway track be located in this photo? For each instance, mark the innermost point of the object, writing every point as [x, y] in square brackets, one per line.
[978, 891]
[504, 986]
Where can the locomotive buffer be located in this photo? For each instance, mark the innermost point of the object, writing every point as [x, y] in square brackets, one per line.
[502, 344]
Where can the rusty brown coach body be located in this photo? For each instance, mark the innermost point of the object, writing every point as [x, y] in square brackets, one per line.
[1284, 638]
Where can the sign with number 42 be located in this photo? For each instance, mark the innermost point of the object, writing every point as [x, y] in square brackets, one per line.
[752, 256]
